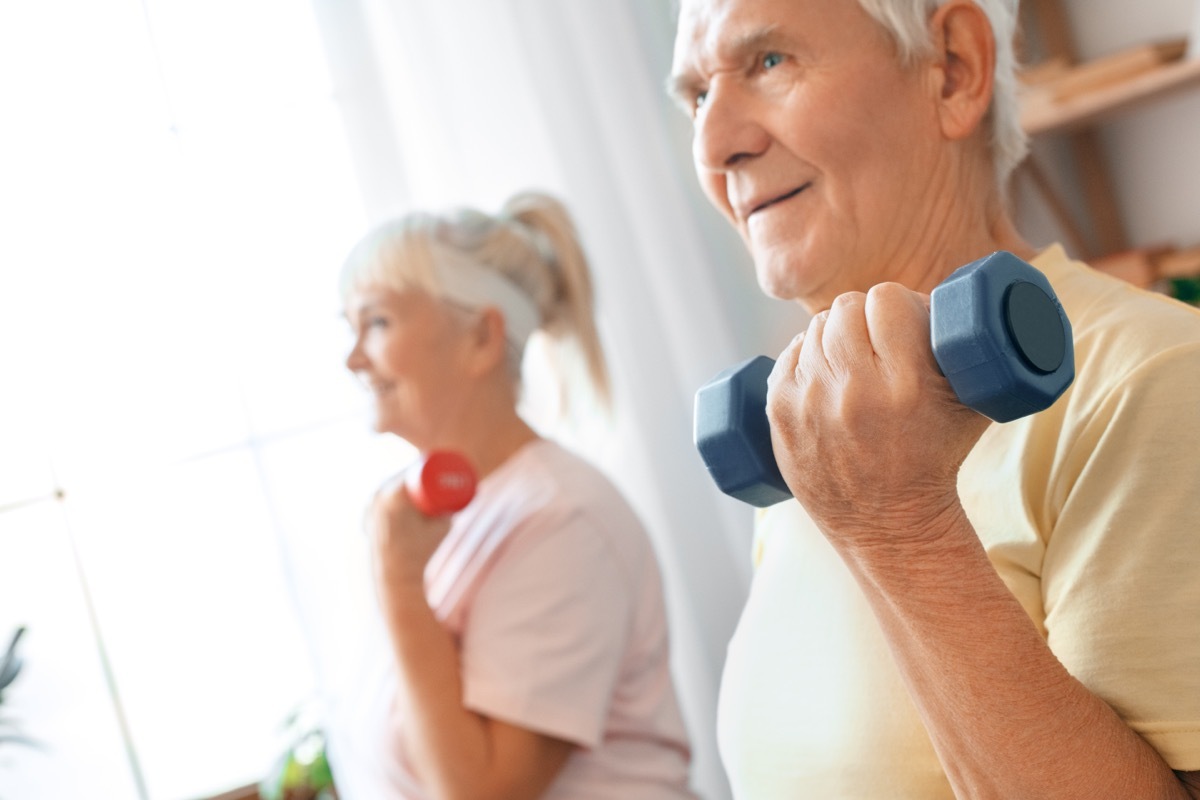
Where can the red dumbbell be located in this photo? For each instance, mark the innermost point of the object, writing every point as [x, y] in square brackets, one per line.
[442, 483]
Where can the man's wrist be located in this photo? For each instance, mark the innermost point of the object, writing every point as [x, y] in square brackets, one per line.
[928, 529]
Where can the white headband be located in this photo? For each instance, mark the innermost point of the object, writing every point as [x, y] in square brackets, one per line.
[464, 281]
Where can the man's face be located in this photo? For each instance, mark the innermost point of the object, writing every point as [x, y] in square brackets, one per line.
[811, 138]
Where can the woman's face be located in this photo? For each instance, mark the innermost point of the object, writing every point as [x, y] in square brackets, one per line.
[408, 350]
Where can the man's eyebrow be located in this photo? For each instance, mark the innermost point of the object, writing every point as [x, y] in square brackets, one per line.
[683, 86]
[686, 84]
[756, 39]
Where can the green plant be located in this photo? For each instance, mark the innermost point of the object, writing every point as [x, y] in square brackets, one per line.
[1186, 289]
[10, 668]
[302, 771]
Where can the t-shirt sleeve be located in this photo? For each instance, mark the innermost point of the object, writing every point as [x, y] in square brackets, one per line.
[1121, 577]
[546, 635]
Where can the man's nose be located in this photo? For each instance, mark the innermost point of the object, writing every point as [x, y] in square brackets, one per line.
[727, 128]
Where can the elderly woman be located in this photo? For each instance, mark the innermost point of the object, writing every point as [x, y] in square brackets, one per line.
[525, 647]
[953, 607]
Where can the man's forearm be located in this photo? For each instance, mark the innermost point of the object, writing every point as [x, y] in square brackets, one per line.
[1006, 718]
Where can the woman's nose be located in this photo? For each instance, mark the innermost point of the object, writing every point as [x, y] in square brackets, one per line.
[356, 360]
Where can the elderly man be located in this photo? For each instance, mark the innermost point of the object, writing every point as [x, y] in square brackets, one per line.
[953, 607]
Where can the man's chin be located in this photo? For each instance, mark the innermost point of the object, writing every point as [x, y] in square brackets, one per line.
[776, 274]
[776, 283]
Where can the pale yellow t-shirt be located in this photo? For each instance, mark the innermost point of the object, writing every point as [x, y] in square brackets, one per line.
[1090, 512]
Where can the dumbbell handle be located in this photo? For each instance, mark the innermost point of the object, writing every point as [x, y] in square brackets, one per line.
[742, 462]
[441, 483]
[999, 336]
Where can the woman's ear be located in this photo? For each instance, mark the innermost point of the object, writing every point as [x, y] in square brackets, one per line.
[488, 340]
[965, 61]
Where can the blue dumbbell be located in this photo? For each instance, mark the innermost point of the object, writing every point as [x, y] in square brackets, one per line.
[999, 335]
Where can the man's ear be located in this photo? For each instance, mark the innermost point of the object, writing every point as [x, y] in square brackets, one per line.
[965, 62]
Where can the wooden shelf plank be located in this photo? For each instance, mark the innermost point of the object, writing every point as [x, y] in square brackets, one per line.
[1089, 108]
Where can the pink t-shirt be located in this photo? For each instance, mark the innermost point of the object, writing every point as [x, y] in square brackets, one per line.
[552, 589]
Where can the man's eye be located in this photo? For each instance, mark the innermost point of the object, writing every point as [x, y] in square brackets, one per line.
[698, 101]
[377, 322]
[771, 60]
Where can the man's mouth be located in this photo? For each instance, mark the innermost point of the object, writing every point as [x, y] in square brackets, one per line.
[776, 200]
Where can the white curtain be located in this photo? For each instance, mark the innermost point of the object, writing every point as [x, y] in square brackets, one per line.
[466, 101]
[183, 460]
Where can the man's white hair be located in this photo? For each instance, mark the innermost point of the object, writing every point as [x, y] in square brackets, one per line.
[908, 23]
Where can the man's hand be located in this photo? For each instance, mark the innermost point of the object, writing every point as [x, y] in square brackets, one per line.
[867, 432]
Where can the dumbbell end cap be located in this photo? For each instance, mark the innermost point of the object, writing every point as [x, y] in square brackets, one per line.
[443, 483]
[1001, 337]
[733, 436]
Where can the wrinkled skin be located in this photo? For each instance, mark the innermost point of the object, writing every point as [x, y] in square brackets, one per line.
[857, 401]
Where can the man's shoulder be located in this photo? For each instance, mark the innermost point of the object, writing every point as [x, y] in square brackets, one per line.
[1120, 329]
[1096, 302]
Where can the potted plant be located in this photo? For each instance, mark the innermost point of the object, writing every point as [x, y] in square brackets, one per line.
[1186, 289]
[301, 772]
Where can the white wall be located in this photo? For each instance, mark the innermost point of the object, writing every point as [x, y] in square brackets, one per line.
[1153, 152]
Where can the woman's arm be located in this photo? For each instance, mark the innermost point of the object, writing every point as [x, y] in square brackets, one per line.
[456, 752]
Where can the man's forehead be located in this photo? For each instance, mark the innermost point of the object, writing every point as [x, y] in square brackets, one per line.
[699, 26]
[708, 26]
[718, 29]
[688, 25]
[697, 17]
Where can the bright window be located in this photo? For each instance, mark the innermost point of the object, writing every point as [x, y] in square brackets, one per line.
[181, 451]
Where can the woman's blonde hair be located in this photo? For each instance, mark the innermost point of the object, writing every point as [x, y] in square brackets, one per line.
[531, 245]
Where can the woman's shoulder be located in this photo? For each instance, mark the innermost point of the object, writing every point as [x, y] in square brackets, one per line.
[555, 468]
[562, 489]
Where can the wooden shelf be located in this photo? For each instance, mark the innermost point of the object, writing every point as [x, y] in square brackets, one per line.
[1040, 116]
[1068, 99]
